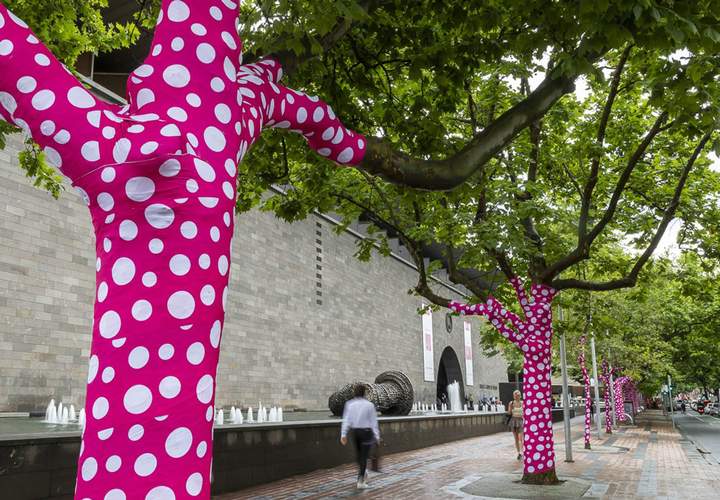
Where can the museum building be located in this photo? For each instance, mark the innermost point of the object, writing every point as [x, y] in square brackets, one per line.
[304, 316]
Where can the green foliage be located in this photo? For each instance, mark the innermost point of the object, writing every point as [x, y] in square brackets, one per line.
[69, 28]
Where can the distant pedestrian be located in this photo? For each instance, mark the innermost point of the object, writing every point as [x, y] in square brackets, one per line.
[515, 410]
[682, 406]
[360, 417]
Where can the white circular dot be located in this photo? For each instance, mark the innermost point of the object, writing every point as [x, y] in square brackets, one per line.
[179, 265]
[170, 168]
[105, 201]
[89, 469]
[178, 11]
[169, 387]
[215, 234]
[100, 408]
[137, 399]
[196, 353]
[136, 432]
[159, 216]
[138, 357]
[177, 44]
[346, 155]
[149, 279]
[145, 464]
[108, 174]
[193, 100]
[193, 485]
[123, 271]
[198, 29]
[90, 151]
[115, 494]
[160, 493]
[140, 189]
[204, 389]
[205, 53]
[6, 47]
[141, 310]
[204, 261]
[108, 374]
[188, 229]
[156, 246]
[178, 442]
[207, 295]
[109, 324]
[80, 98]
[43, 100]
[215, 334]
[93, 368]
[112, 464]
[26, 84]
[201, 449]
[181, 305]
[217, 84]
[178, 114]
[192, 186]
[223, 265]
[223, 113]
[144, 71]
[204, 170]
[128, 230]
[166, 351]
[149, 147]
[42, 60]
[102, 292]
[177, 76]
[215, 139]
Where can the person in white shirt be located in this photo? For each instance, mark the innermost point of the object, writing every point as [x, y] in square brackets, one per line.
[360, 417]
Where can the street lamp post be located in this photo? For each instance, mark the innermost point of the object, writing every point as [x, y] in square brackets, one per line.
[670, 398]
[597, 386]
[566, 398]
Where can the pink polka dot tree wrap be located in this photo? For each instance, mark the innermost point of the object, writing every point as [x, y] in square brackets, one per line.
[159, 177]
[533, 336]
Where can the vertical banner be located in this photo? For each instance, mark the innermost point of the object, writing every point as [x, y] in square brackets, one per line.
[428, 359]
[468, 354]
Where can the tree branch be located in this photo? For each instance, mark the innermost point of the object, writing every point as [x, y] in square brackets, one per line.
[582, 251]
[599, 140]
[439, 175]
[631, 279]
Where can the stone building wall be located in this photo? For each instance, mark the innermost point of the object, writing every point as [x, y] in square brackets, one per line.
[304, 316]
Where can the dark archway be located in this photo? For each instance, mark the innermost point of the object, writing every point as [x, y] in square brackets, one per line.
[449, 371]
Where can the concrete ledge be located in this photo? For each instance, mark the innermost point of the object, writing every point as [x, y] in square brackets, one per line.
[44, 465]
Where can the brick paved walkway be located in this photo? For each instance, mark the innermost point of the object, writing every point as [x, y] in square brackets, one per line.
[650, 460]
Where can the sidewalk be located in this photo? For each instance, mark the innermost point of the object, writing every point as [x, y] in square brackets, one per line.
[650, 460]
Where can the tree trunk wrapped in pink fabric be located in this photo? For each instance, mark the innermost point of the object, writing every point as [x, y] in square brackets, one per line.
[606, 382]
[533, 336]
[620, 414]
[586, 388]
[159, 177]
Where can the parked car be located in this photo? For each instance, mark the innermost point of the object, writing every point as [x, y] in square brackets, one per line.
[712, 409]
[700, 407]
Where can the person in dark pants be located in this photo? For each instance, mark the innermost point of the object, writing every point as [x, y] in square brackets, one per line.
[360, 418]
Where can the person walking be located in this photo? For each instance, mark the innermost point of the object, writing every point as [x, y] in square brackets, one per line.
[515, 410]
[360, 418]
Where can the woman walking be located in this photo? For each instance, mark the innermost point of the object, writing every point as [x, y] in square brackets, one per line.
[515, 410]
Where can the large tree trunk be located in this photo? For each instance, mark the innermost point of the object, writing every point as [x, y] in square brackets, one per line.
[539, 451]
[159, 176]
[586, 389]
[533, 336]
[606, 382]
[163, 267]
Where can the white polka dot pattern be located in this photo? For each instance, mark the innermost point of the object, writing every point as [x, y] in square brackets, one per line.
[159, 177]
[533, 336]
